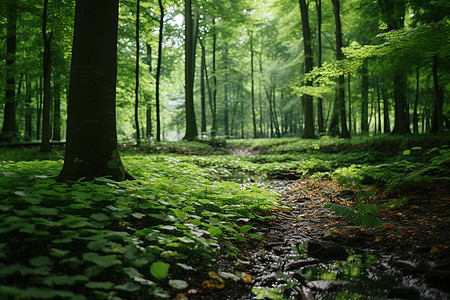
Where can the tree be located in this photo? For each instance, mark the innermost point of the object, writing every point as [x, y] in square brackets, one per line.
[341, 80]
[92, 149]
[47, 70]
[9, 129]
[190, 39]
[158, 71]
[308, 132]
[136, 90]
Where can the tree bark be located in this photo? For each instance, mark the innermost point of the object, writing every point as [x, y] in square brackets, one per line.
[92, 149]
[341, 80]
[47, 69]
[308, 131]
[9, 129]
[56, 134]
[365, 100]
[416, 104]
[252, 54]
[136, 90]
[158, 71]
[437, 124]
[202, 90]
[320, 121]
[148, 113]
[28, 110]
[191, 126]
[225, 87]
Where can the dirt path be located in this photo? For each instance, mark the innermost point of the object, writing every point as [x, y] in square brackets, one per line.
[413, 245]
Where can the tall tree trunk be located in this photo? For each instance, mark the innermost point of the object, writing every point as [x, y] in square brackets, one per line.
[92, 149]
[255, 132]
[225, 86]
[39, 101]
[379, 106]
[349, 96]
[158, 71]
[320, 121]
[393, 13]
[416, 104]
[365, 100]
[56, 136]
[214, 93]
[136, 90]
[202, 89]
[191, 125]
[47, 67]
[28, 111]
[148, 113]
[210, 92]
[386, 119]
[341, 80]
[437, 123]
[9, 129]
[308, 131]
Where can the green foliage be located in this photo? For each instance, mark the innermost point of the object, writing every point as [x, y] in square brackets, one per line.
[357, 217]
[114, 239]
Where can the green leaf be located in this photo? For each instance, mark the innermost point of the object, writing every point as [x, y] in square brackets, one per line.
[185, 267]
[63, 280]
[99, 217]
[98, 244]
[138, 215]
[407, 152]
[104, 261]
[107, 285]
[178, 284]
[41, 261]
[129, 287]
[58, 252]
[159, 269]
[215, 231]
[245, 228]
[45, 211]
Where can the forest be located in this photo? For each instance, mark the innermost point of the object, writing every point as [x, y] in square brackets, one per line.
[214, 149]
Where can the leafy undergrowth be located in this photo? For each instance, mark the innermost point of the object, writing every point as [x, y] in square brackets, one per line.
[129, 240]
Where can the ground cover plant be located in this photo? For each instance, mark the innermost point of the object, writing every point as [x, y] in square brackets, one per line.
[138, 239]
[104, 239]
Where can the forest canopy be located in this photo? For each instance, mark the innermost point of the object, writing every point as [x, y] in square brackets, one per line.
[257, 69]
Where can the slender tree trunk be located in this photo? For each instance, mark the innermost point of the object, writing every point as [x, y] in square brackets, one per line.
[416, 104]
[214, 93]
[437, 124]
[308, 131]
[158, 71]
[349, 102]
[38, 108]
[191, 126]
[57, 109]
[386, 120]
[255, 133]
[47, 67]
[365, 100]
[210, 97]
[320, 121]
[9, 129]
[136, 90]
[225, 86]
[148, 114]
[341, 80]
[28, 115]
[91, 149]
[379, 106]
[202, 90]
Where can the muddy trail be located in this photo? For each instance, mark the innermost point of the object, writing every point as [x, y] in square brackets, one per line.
[310, 253]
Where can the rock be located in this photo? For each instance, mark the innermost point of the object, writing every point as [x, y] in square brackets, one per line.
[326, 250]
[323, 285]
[295, 265]
[404, 292]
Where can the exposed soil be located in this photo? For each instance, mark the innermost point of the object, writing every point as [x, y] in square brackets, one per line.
[415, 237]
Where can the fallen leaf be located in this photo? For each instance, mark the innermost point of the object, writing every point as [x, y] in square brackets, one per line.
[389, 226]
[434, 250]
[378, 238]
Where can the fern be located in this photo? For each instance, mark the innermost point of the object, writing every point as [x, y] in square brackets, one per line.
[355, 216]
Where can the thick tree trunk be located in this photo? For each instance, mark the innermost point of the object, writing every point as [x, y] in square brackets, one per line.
[308, 131]
[191, 125]
[9, 129]
[47, 67]
[92, 149]
[341, 80]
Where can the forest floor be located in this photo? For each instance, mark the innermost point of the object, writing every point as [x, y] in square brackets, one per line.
[414, 245]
